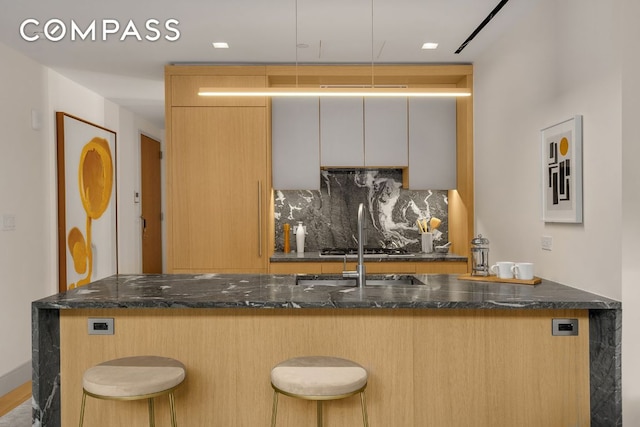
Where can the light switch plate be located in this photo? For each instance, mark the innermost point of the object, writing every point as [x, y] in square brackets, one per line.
[546, 242]
[8, 222]
[36, 119]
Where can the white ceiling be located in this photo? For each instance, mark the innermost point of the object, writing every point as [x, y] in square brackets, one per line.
[130, 72]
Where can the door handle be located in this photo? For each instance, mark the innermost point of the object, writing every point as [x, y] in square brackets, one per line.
[144, 226]
[259, 219]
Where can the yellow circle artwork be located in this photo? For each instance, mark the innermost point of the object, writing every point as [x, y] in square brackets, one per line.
[95, 181]
[564, 146]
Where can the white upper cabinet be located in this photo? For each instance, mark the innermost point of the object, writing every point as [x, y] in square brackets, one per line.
[363, 132]
[385, 132]
[341, 132]
[309, 133]
[295, 143]
[432, 143]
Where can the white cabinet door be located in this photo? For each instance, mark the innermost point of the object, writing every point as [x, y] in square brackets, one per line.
[432, 143]
[295, 143]
[341, 132]
[385, 132]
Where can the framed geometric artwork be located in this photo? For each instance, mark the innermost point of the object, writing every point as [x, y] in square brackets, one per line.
[562, 171]
[87, 211]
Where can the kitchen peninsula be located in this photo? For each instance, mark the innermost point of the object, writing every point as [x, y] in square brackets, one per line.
[440, 352]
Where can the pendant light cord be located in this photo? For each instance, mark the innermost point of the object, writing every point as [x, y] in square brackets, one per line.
[296, 11]
[372, 79]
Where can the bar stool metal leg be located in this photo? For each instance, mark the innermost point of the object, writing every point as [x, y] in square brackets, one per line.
[152, 415]
[172, 408]
[274, 409]
[363, 401]
[319, 413]
[84, 401]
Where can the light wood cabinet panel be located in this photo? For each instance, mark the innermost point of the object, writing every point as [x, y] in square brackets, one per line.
[390, 267]
[341, 132]
[441, 267]
[336, 268]
[502, 366]
[454, 368]
[218, 186]
[432, 144]
[184, 90]
[385, 132]
[295, 268]
[295, 140]
[372, 267]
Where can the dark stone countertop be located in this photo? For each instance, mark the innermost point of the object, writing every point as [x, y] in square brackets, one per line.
[314, 256]
[280, 291]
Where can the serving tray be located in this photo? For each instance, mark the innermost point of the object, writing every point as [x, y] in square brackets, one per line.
[496, 279]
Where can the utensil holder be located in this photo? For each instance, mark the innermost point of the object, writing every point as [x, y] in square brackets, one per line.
[427, 243]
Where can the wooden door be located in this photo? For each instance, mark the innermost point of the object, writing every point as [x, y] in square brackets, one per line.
[151, 199]
[218, 189]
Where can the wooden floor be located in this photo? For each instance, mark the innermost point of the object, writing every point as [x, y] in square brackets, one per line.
[15, 398]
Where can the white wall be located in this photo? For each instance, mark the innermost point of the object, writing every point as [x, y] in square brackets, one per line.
[28, 189]
[630, 213]
[568, 57]
[25, 252]
[562, 61]
[129, 226]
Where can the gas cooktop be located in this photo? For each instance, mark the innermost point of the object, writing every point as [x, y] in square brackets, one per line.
[368, 252]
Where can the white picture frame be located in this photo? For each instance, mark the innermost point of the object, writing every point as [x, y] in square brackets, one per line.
[561, 172]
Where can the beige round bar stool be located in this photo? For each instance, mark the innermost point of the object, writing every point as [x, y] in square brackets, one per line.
[134, 378]
[319, 378]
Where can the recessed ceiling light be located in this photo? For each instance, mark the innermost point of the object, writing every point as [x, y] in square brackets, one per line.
[430, 45]
[221, 45]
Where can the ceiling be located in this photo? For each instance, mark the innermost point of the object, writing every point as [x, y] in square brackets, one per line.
[130, 72]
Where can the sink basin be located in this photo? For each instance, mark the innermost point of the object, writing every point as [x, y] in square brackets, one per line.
[371, 280]
[393, 280]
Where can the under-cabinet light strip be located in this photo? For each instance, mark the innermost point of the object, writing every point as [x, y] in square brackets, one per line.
[336, 92]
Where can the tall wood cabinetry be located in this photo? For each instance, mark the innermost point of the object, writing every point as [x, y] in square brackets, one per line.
[217, 186]
[219, 198]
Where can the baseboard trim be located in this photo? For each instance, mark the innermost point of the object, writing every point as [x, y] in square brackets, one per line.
[15, 378]
[15, 398]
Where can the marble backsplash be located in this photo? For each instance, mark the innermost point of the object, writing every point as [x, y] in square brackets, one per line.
[330, 214]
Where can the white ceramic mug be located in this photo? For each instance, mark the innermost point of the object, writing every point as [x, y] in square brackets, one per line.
[523, 270]
[503, 269]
